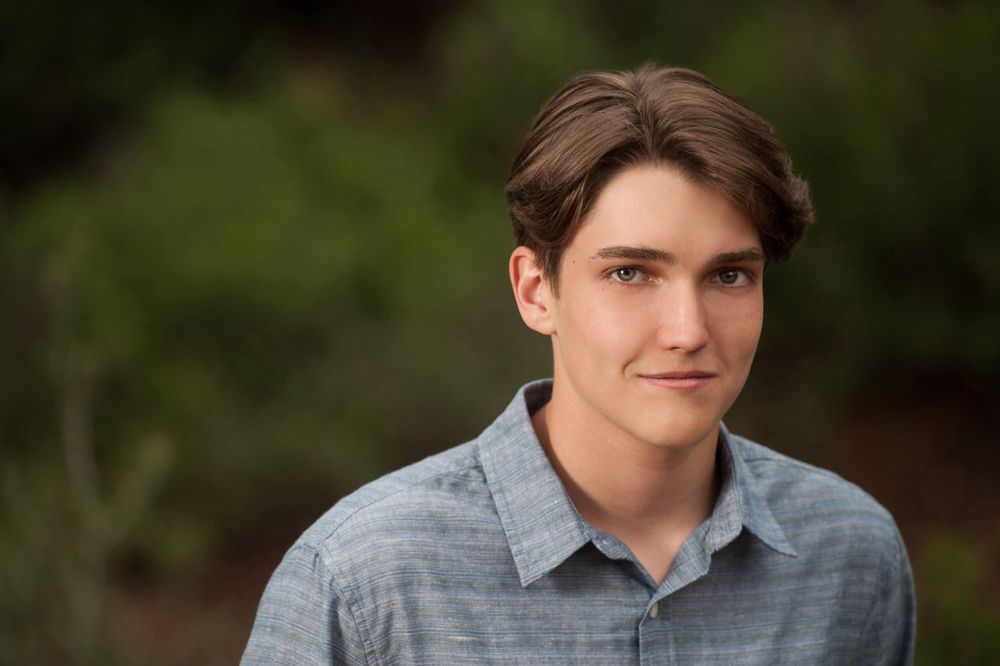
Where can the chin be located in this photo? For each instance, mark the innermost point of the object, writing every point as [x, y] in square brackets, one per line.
[679, 433]
[678, 425]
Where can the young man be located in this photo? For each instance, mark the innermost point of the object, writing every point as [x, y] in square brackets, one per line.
[607, 516]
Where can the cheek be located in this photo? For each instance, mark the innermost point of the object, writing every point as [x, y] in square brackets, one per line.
[601, 322]
[738, 329]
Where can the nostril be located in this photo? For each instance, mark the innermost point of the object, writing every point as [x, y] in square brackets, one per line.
[684, 323]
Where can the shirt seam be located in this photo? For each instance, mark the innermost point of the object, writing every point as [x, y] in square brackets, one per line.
[876, 600]
[791, 462]
[334, 571]
[322, 542]
[883, 590]
[786, 461]
[876, 506]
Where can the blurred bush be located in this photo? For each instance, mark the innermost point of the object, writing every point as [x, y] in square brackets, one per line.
[253, 297]
[959, 620]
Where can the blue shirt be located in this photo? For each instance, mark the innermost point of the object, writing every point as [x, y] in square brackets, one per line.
[477, 555]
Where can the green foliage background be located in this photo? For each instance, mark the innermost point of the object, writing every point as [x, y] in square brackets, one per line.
[253, 257]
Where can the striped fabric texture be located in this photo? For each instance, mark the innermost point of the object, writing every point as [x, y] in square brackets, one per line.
[477, 555]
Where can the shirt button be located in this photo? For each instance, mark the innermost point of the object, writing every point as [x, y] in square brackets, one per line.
[654, 610]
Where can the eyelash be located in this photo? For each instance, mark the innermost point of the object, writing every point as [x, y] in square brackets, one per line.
[750, 277]
[611, 276]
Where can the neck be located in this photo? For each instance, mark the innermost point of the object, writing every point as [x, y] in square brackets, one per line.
[651, 497]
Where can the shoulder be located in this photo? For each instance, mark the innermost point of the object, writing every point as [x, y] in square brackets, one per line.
[401, 509]
[850, 563]
[365, 550]
[816, 507]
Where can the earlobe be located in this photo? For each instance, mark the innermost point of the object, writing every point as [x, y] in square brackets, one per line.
[531, 291]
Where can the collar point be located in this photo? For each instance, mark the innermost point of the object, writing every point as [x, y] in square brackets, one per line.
[779, 545]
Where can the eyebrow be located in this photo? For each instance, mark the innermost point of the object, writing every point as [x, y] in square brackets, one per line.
[749, 254]
[634, 254]
[631, 253]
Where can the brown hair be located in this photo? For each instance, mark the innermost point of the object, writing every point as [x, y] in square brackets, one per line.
[602, 122]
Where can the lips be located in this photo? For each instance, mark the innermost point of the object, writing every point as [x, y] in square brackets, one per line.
[681, 381]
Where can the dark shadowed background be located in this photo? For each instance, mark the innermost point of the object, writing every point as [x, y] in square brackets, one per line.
[253, 255]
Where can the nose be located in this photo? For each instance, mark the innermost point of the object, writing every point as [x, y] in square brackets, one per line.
[683, 324]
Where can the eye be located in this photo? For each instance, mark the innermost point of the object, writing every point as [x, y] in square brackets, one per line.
[627, 274]
[733, 277]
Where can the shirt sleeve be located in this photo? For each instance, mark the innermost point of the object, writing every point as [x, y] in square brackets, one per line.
[890, 631]
[302, 618]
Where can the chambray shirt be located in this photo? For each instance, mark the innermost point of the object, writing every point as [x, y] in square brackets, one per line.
[477, 555]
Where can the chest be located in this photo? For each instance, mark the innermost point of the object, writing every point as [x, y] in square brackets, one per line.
[593, 610]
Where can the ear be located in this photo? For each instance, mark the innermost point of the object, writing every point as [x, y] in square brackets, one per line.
[532, 293]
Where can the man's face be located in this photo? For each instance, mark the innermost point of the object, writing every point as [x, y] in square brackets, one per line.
[659, 310]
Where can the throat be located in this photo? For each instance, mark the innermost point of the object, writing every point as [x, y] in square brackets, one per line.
[656, 551]
[651, 508]
[655, 538]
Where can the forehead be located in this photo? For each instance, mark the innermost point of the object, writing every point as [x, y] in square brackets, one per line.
[658, 207]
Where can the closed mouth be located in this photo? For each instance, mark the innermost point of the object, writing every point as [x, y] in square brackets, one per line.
[682, 381]
[689, 374]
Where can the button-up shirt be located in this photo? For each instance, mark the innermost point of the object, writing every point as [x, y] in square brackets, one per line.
[477, 555]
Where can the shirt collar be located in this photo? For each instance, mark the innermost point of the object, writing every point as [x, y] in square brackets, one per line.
[542, 526]
[740, 503]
